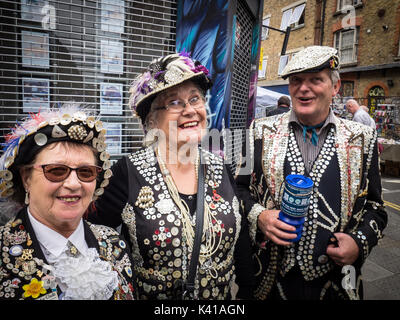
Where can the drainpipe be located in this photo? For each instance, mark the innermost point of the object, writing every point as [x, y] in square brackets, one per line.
[323, 22]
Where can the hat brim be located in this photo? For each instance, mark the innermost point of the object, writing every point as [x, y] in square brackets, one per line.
[143, 106]
[325, 65]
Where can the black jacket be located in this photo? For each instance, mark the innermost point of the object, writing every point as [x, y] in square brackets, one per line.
[22, 258]
[138, 198]
[346, 198]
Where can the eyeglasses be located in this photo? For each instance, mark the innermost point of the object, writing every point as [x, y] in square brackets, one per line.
[60, 172]
[177, 106]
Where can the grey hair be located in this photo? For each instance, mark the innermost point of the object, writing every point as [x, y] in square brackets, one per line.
[352, 102]
[151, 122]
[335, 76]
[151, 118]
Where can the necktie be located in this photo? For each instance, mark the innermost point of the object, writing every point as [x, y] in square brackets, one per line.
[314, 136]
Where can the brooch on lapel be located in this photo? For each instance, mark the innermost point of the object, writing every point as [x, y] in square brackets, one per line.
[145, 198]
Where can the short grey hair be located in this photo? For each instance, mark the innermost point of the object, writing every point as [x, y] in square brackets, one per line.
[151, 122]
[151, 118]
[335, 76]
[352, 102]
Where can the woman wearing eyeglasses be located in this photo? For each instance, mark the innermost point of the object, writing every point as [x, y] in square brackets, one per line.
[153, 193]
[54, 164]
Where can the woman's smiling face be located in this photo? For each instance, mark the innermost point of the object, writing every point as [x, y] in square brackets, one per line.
[59, 205]
[187, 126]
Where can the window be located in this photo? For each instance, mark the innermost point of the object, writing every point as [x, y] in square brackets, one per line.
[376, 95]
[341, 4]
[346, 42]
[264, 30]
[282, 63]
[347, 89]
[293, 17]
[263, 69]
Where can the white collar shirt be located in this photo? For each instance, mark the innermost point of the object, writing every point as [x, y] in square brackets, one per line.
[54, 244]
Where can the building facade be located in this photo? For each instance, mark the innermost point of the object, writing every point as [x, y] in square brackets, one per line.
[365, 33]
[89, 51]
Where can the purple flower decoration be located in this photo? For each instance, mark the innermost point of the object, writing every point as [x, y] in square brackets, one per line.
[140, 86]
[158, 74]
[184, 53]
[200, 68]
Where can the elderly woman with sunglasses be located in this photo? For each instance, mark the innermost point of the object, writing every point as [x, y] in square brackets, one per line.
[54, 164]
[154, 193]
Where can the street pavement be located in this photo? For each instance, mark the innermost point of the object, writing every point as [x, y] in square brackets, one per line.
[381, 271]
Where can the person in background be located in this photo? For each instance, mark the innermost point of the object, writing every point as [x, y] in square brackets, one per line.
[54, 164]
[346, 214]
[282, 107]
[365, 108]
[153, 192]
[360, 114]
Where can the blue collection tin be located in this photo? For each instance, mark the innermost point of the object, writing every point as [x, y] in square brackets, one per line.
[295, 201]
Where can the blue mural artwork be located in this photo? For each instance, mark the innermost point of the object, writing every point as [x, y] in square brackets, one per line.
[203, 30]
[255, 47]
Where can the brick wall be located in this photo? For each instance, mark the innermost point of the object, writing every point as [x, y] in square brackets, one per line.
[299, 38]
[376, 45]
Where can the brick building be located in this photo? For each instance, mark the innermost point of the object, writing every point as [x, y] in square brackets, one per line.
[366, 34]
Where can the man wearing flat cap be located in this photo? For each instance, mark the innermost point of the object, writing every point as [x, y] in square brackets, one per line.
[345, 216]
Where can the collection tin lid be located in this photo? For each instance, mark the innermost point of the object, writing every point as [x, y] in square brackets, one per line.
[299, 181]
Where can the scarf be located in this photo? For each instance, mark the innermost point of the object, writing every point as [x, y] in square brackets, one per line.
[314, 135]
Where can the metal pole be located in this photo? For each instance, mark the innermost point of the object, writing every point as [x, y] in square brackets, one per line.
[285, 41]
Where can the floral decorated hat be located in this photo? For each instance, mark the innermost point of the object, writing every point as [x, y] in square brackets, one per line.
[312, 59]
[164, 73]
[26, 139]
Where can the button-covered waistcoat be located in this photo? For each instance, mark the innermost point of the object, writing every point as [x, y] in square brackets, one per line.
[22, 262]
[154, 223]
[346, 196]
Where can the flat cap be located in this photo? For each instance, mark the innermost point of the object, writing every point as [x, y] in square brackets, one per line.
[312, 59]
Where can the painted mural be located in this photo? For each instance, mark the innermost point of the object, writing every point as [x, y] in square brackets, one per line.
[255, 48]
[207, 29]
[203, 30]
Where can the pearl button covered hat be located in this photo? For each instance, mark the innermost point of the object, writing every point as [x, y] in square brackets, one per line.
[29, 137]
[312, 59]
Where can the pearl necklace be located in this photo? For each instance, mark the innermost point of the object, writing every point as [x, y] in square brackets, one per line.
[211, 227]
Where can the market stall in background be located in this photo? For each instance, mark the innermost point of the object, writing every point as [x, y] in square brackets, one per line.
[386, 113]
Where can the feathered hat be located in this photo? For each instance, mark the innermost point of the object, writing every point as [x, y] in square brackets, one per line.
[27, 138]
[164, 73]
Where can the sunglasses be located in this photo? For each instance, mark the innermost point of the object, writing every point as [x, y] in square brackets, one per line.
[60, 172]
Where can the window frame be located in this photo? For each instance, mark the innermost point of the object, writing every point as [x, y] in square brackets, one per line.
[398, 50]
[268, 17]
[338, 44]
[292, 7]
[341, 5]
[264, 69]
[281, 65]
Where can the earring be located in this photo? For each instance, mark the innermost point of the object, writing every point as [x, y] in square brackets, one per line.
[26, 197]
